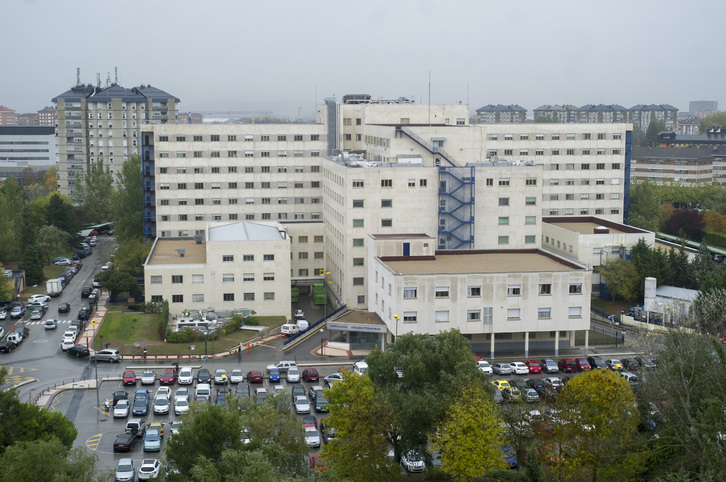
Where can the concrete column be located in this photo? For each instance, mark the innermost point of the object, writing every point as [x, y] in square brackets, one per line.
[587, 341]
[572, 338]
[491, 347]
[526, 344]
[557, 343]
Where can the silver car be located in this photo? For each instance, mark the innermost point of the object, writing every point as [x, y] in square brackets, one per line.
[125, 470]
[502, 369]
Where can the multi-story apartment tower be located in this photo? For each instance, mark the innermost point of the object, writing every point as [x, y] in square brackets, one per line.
[501, 114]
[46, 116]
[8, 117]
[564, 114]
[104, 123]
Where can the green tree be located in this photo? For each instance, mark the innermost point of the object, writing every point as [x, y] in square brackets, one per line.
[545, 119]
[118, 281]
[6, 287]
[12, 200]
[32, 263]
[435, 367]
[651, 133]
[50, 460]
[645, 205]
[93, 194]
[709, 312]
[362, 417]
[621, 278]
[717, 119]
[51, 241]
[132, 254]
[60, 214]
[702, 266]
[598, 409]
[469, 439]
[128, 202]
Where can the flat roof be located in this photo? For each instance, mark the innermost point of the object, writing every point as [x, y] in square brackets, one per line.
[165, 252]
[587, 225]
[510, 261]
[402, 236]
[359, 317]
[244, 231]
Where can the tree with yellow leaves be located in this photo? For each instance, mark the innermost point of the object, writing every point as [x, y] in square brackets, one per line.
[469, 440]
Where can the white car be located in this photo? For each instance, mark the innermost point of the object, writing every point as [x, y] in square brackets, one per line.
[163, 392]
[220, 376]
[278, 389]
[182, 393]
[312, 437]
[121, 410]
[293, 375]
[181, 406]
[333, 378]
[236, 376]
[186, 376]
[149, 469]
[39, 299]
[3, 314]
[37, 314]
[161, 405]
[66, 343]
[519, 368]
[148, 377]
[302, 405]
[412, 461]
[174, 426]
[484, 366]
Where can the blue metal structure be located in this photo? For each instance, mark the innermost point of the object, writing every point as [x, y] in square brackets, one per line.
[456, 207]
[147, 179]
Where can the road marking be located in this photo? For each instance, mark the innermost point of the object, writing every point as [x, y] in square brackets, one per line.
[56, 401]
[15, 376]
[92, 442]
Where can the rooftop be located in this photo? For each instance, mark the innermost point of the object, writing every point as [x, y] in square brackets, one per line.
[587, 225]
[246, 231]
[165, 252]
[498, 261]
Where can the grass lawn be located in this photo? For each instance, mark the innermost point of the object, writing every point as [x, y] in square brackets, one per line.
[49, 272]
[611, 307]
[126, 329]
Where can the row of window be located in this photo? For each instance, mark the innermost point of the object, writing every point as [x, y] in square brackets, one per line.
[411, 292]
[199, 298]
[554, 152]
[601, 136]
[246, 138]
[234, 169]
[199, 278]
[583, 211]
[614, 181]
[233, 201]
[486, 315]
[164, 186]
[584, 166]
[388, 183]
[231, 154]
[582, 196]
[236, 217]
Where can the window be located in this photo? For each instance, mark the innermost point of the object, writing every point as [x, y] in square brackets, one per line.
[442, 292]
[198, 298]
[600, 182]
[544, 313]
[617, 137]
[545, 289]
[504, 201]
[410, 292]
[442, 317]
[409, 316]
[555, 152]
[302, 272]
[214, 138]
[303, 255]
[575, 288]
[504, 220]
[197, 138]
[386, 182]
[229, 296]
[513, 313]
[358, 203]
[575, 312]
[198, 185]
[601, 136]
[503, 240]
[197, 278]
[358, 183]
[215, 154]
[487, 315]
[357, 242]
[269, 296]
[228, 278]
[529, 239]
[228, 258]
[357, 281]
[531, 181]
[199, 202]
[531, 201]
[586, 152]
[514, 290]
[530, 220]
[539, 152]
[386, 223]
[474, 291]
[616, 165]
[249, 297]
[156, 280]
[357, 223]
[504, 182]
[473, 315]
[177, 298]
[386, 203]
[177, 278]
[268, 257]
[586, 137]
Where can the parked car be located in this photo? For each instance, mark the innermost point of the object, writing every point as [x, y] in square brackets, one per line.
[121, 409]
[630, 364]
[37, 314]
[293, 375]
[148, 377]
[502, 368]
[333, 378]
[302, 404]
[140, 406]
[152, 441]
[614, 364]
[7, 346]
[519, 368]
[533, 366]
[484, 367]
[124, 470]
[186, 376]
[242, 390]
[646, 362]
[129, 378]
[548, 365]
[501, 384]
[64, 308]
[110, 355]
[312, 437]
[78, 351]
[124, 442]
[582, 364]
[531, 395]
[149, 469]
[413, 461]
[203, 376]
[310, 375]
[18, 311]
[50, 324]
[168, 377]
[236, 376]
[181, 406]
[254, 376]
[596, 363]
[274, 375]
[61, 261]
[553, 382]
[39, 299]
[161, 405]
[220, 376]
[283, 366]
[567, 365]
[498, 397]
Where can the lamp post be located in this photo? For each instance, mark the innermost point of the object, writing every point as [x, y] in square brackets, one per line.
[396, 317]
[325, 311]
[206, 334]
[98, 397]
[322, 342]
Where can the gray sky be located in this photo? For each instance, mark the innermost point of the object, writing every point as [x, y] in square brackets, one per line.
[235, 54]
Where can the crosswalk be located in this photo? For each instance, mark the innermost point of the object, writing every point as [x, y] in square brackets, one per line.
[40, 322]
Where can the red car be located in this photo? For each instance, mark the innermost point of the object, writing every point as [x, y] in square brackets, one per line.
[533, 366]
[477, 357]
[582, 364]
[129, 378]
[317, 462]
[310, 375]
[567, 365]
[254, 376]
[168, 377]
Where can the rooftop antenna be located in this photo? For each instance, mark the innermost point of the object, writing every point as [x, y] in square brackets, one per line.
[98, 80]
[429, 98]
[108, 79]
[115, 71]
[78, 76]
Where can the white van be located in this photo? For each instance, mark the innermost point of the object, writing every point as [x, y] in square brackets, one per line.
[303, 325]
[289, 329]
[203, 391]
[15, 338]
[360, 367]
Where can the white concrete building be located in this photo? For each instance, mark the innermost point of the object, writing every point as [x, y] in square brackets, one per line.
[518, 298]
[26, 147]
[241, 265]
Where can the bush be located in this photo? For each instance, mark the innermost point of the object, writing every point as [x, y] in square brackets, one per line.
[151, 307]
[163, 319]
[234, 324]
[184, 336]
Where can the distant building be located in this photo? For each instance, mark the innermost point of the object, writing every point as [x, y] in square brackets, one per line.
[501, 114]
[26, 147]
[29, 119]
[642, 115]
[689, 126]
[8, 116]
[598, 114]
[105, 123]
[189, 118]
[702, 108]
[46, 116]
[688, 166]
[639, 115]
[564, 114]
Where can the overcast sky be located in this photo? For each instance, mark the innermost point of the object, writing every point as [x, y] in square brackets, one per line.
[285, 55]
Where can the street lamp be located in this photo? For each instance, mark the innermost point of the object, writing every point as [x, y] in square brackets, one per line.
[98, 397]
[396, 317]
[322, 342]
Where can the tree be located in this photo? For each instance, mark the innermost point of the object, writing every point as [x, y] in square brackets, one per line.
[119, 281]
[50, 241]
[362, 417]
[702, 266]
[435, 367]
[709, 312]
[12, 200]
[32, 263]
[598, 409]
[128, 202]
[94, 193]
[6, 287]
[687, 223]
[132, 255]
[469, 439]
[621, 278]
[651, 133]
[546, 119]
[645, 206]
[50, 460]
[60, 214]
[717, 119]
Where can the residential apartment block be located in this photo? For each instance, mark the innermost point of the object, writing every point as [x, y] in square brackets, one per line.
[501, 114]
[8, 117]
[688, 166]
[639, 115]
[104, 123]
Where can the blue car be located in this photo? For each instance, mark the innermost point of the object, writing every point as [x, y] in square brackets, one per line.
[275, 375]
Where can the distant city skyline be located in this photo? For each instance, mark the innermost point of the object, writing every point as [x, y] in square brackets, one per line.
[286, 55]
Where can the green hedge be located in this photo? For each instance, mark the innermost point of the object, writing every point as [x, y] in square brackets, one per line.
[715, 239]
